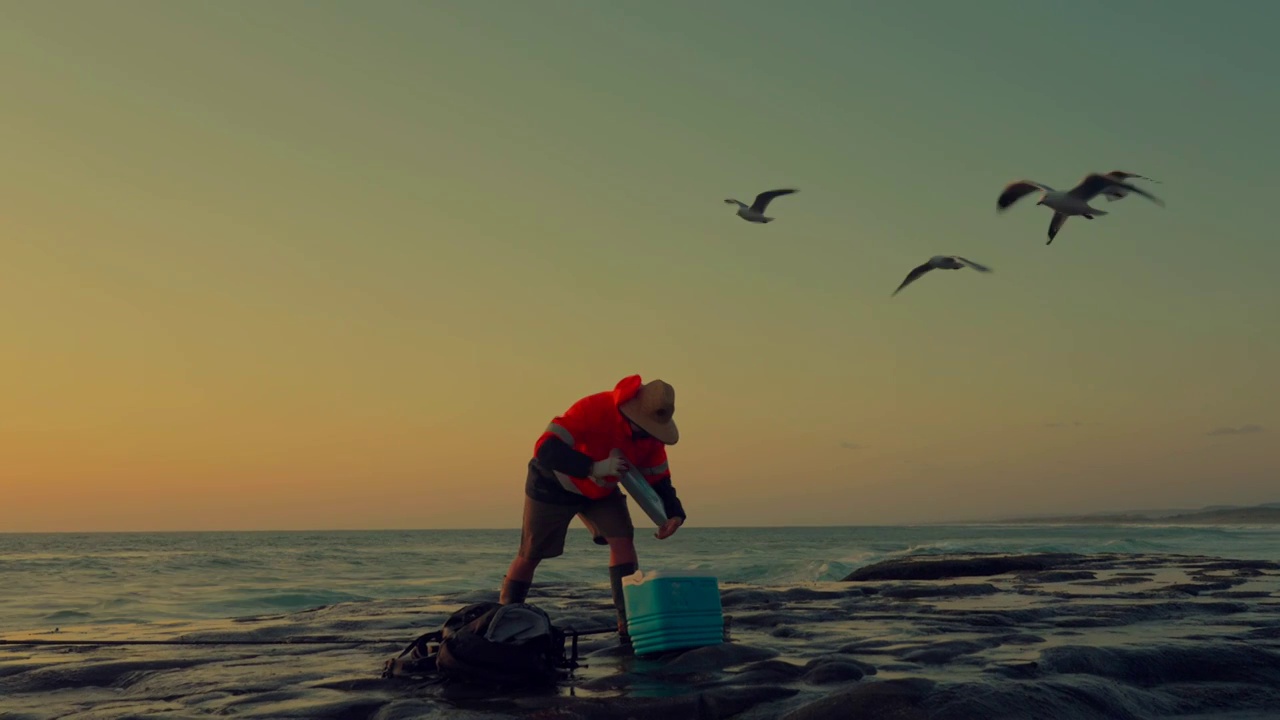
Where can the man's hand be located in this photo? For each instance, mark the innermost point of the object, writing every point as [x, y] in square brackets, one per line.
[669, 528]
[611, 466]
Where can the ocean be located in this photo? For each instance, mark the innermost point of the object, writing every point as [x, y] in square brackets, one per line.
[61, 580]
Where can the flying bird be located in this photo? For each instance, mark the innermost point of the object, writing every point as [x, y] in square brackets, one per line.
[1117, 193]
[1066, 203]
[755, 213]
[940, 262]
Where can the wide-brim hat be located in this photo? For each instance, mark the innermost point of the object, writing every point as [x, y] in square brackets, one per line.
[652, 409]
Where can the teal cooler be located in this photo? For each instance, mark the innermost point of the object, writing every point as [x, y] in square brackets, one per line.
[672, 611]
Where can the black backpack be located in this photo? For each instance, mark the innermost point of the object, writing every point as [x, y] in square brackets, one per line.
[513, 645]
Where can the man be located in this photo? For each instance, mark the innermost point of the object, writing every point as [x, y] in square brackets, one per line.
[574, 472]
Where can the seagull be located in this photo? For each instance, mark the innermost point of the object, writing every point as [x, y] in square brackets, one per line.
[940, 262]
[1114, 193]
[755, 213]
[1066, 203]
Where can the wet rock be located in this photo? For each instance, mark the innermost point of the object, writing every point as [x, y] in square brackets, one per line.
[866, 646]
[1020, 639]
[314, 709]
[1114, 581]
[950, 566]
[407, 710]
[712, 704]
[767, 672]
[88, 674]
[1109, 615]
[910, 592]
[1002, 619]
[618, 681]
[900, 668]
[1233, 700]
[781, 668]
[763, 619]
[1148, 666]
[866, 668]
[809, 594]
[1195, 588]
[17, 668]
[944, 652]
[1044, 700]
[351, 684]
[928, 626]
[1017, 671]
[1231, 580]
[727, 703]
[747, 598]
[714, 658]
[1083, 622]
[834, 672]
[788, 631]
[883, 700]
[1056, 576]
[1264, 633]
[1237, 565]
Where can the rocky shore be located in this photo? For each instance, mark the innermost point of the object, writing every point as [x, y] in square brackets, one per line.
[1048, 636]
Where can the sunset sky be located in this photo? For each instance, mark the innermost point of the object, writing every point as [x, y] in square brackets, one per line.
[308, 265]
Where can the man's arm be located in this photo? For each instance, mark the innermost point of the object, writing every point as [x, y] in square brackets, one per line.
[670, 502]
[657, 471]
[556, 455]
[556, 447]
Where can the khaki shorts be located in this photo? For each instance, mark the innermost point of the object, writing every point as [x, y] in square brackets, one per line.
[546, 525]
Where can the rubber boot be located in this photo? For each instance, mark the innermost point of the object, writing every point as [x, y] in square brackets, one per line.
[616, 573]
[514, 591]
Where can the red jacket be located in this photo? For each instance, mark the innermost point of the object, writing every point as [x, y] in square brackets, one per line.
[594, 426]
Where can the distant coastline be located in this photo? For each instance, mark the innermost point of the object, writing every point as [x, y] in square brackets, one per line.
[1265, 514]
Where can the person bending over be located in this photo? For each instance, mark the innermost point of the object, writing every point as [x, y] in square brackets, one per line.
[574, 472]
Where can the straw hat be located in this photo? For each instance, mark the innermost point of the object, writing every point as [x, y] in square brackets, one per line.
[651, 409]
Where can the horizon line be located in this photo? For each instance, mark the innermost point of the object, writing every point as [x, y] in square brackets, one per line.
[1073, 521]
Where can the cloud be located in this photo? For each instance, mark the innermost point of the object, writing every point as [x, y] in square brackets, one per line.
[850, 446]
[1242, 430]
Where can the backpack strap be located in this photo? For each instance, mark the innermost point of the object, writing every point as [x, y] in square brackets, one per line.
[572, 635]
[420, 646]
[421, 658]
[476, 616]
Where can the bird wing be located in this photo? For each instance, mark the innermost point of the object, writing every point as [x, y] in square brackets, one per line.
[976, 266]
[1093, 183]
[1124, 175]
[1143, 193]
[1014, 191]
[913, 276]
[1114, 193]
[1055, 225]
[763, 199]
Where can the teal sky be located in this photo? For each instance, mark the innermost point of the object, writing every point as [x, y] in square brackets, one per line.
[330, 264]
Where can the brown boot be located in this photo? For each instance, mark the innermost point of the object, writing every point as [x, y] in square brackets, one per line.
[514, 591]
